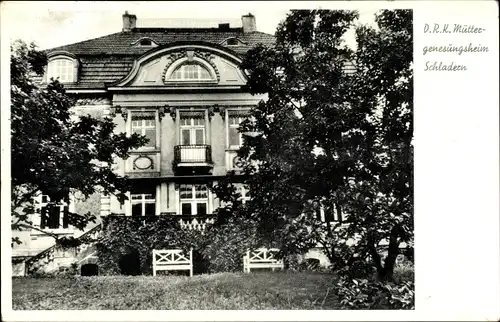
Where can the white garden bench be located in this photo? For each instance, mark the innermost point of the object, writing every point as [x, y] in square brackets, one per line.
[172, 260]
[261, 258]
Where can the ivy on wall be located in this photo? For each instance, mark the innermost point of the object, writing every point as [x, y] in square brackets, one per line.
[126, 244]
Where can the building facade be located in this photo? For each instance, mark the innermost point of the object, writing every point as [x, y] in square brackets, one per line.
[183, 89]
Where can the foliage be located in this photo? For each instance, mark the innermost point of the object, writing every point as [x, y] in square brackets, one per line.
[333, 138]
[53, 153]
[122, 236]
[404, 271]
[224, 291]
[368, 294]
[61, 272]
[217, 249]
[226, 244]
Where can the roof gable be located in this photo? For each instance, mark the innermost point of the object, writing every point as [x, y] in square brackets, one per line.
[110, 58]
[154, 67]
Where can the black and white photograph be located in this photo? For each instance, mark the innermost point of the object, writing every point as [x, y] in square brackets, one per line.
[214, 156]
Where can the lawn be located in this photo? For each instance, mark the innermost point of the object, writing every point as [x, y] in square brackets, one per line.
[224, 291]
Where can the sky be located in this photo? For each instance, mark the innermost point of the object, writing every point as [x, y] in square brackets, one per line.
[51, 24]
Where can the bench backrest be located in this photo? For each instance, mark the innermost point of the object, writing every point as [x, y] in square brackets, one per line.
[262, 255]
[171, 257]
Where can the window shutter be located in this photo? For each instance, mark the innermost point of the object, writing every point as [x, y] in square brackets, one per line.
[66, 217]
[54, 216]
[43, 217]
[329, 214]
[318, 214]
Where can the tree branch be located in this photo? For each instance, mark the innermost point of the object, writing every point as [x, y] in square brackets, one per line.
[40, 230]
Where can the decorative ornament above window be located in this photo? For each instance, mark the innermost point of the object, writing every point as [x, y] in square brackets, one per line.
[191, 67]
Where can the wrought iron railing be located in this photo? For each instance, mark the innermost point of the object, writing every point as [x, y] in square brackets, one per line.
[192, 154]
[197, 222]
[47, 255]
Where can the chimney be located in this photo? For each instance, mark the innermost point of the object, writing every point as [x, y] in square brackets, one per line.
[224, 26]
[248, 23]
[128, 21]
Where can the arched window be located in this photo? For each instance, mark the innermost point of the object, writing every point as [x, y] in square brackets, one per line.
[62, 69]
[191, 72]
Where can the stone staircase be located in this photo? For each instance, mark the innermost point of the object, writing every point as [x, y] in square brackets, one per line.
[54, 257]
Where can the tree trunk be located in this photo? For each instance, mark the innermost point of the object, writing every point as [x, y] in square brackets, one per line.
[387, 272]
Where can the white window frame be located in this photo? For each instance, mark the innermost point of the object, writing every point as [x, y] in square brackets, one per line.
[193, 200]
[130, 127]
[229, 125]
[143, 201]
[64, 69]
[234, 126]
[244, 191]
[38, 204]
[192, 127]
[185, 73]
[323, 214]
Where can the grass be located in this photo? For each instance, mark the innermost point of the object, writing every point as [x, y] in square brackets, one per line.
[224, 291]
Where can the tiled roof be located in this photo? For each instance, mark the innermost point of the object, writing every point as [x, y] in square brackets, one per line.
[109, 58]
[104, 69]
[120, 43]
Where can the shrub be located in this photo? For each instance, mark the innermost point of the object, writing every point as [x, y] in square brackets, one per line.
[132, 239]
[373, 295]
[404, 271]
[226, 245]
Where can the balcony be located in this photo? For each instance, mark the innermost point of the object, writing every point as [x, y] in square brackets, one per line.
[199, 222]
[192, 157]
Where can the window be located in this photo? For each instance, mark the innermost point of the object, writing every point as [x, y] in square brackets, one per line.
[144, 123]
[328, 213]
[146, 42]
[235, 138]
[62, 69]
[190, 72]
[232, 42]
[244, 192]
[193, 199]
[192, 128]
[143, 204]
[51, 214]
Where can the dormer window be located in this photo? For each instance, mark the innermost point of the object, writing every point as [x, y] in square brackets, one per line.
[62, 68]
[232, 41]
[144, 42]
[191, 72]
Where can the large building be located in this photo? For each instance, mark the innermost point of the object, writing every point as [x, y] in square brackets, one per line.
[180, 87]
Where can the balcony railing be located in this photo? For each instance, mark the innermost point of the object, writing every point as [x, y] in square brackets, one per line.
[192, 155]
[196, 222]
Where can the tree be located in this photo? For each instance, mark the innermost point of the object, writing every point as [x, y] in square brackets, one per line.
[50, 152]
[333, 137]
